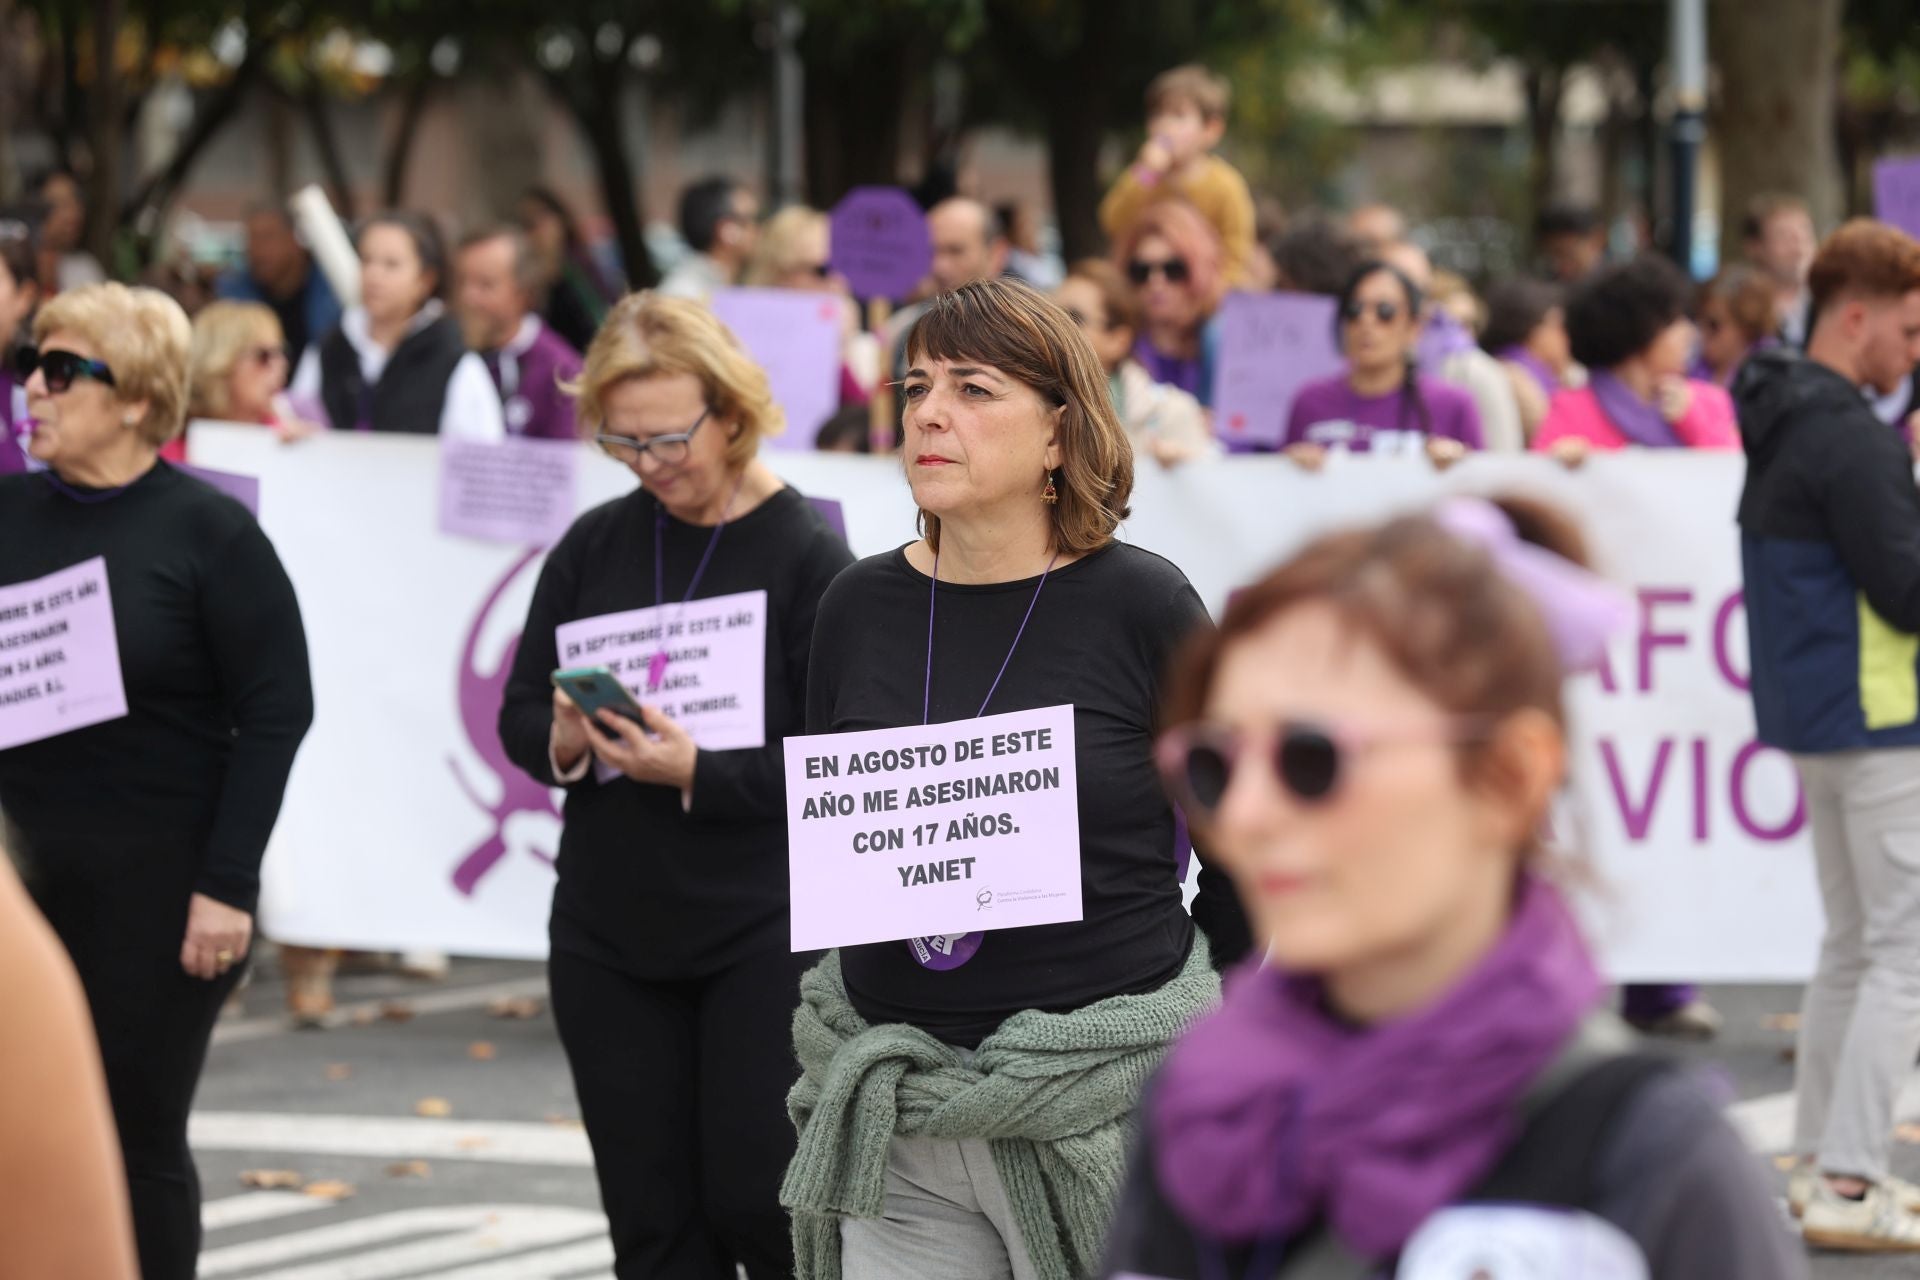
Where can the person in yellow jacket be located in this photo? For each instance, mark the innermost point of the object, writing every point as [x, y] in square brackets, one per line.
[1186, 117]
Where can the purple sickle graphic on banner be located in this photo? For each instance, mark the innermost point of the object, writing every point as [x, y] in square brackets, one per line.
[481, 694]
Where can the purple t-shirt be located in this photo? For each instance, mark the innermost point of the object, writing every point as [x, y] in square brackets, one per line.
[528, 372]
[1330, 412]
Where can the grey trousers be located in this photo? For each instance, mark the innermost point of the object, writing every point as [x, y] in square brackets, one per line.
[1860, 1023]
[947, 1217]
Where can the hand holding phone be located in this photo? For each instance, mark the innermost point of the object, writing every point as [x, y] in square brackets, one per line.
[593, 689]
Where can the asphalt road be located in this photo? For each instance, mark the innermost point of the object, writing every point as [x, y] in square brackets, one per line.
[453, 1138]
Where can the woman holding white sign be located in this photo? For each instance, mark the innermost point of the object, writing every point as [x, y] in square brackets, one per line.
[1419, 1078]
[965, 1102]
[150, 741]
[673, 985]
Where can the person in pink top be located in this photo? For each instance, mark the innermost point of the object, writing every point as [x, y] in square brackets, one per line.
[1628, 325]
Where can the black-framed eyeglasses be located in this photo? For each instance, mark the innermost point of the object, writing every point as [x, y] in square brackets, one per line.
[1140, 270]
[59, 368]
[670, 450]
[1383, 311]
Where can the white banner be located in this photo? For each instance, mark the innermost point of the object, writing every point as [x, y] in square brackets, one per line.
[405, 826]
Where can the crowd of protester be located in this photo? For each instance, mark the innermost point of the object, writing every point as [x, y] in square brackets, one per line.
[520, 330]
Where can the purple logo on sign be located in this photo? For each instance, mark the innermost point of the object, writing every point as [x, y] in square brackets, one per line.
[481, 693]
[880, 242]
[946, 950]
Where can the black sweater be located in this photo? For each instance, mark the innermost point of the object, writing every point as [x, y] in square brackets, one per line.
[186, 787]
[1100, 636]
[644, 885]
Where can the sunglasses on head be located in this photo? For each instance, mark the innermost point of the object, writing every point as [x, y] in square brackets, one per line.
[1174, 269]
[1384, 312]
[1308, 757]
[59, 368]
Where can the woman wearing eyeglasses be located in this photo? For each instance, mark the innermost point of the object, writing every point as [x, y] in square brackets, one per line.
[673, 985]
[397, 361]
[140, 837]
[1164, 422]
[1172, 257]
[967, 1098]
[1381, 404]
[238, 369]
[1418, 1078]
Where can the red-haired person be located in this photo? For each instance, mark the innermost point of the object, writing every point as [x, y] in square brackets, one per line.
[1418, 1076]
[1171, 255]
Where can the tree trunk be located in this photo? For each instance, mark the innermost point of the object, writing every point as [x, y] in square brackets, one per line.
[10, 66]
[214, 114]
[1544, 86]
[1778, 63]
[313, 104]
[107, 134]
[594, 99]
[1077, 116]
[853, 126]
[412, 106]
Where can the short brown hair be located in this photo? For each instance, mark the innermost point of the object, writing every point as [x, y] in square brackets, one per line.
[1865, 257]
[1767, 206]
[1194, 85]
[647, 335]
[143, 337]
[1026, 336]
[1435, 604]
[1748, 297]
[1116, 295]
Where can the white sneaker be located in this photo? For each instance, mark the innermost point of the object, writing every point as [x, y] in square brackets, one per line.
[1876, 1223]
[1801, 1183]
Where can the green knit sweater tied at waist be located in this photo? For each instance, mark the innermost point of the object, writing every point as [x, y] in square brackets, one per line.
[1053, 1094]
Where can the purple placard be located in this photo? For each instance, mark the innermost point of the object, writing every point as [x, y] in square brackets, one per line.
[1896, 193]
[795, 336]
[880, 242]
[1271, 345]
[244, 490]
[833, 513]
[519, 490]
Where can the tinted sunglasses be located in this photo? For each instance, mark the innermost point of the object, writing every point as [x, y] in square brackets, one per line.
[1174, 269]
[59, 368]
[1309, 758]
[1384, 312]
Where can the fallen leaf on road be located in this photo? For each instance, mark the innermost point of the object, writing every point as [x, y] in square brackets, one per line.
[516, 1007]
[1781, 1022]
[396, 1011]
[480, 1051]
[270, 1179]
[474, 1143]
[328, 1190]
[410, 1169]
[433, 1108]
[338, 1071]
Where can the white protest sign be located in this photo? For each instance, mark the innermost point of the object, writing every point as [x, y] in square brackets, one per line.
[59, 656]
[520, 490]
[714, 682]
[933, 829]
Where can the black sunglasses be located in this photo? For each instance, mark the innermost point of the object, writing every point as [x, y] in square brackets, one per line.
[59, 368]
[1309, 758]
[1384, 312]
[1174, 269]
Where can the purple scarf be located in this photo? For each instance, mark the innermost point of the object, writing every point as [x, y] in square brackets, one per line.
[1638, 421]
[1271, 1114]
[1536, 368]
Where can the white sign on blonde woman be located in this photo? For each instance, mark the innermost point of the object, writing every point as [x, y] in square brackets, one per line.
[934, 829]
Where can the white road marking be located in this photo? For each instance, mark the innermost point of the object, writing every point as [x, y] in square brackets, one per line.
[391, 1137]
[258, 1206]
[440, 1001]
[589, 1258]
[435, 1240]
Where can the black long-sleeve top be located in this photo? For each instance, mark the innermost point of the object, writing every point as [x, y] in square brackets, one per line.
[186, 787]
[1102, 630]
[645, 885]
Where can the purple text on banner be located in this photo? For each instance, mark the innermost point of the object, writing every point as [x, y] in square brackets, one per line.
[949, 828]
[59, 655]
[795, 336]
[519, 490]
[880, 242]
[833, 513]
[244, 490]
[1271, 345]
[1896, 193]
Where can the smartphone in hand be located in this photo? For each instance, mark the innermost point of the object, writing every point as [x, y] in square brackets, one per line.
[594, 688]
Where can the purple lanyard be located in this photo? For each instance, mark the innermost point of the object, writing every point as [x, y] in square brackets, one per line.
[933, 589]
[657, 665]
